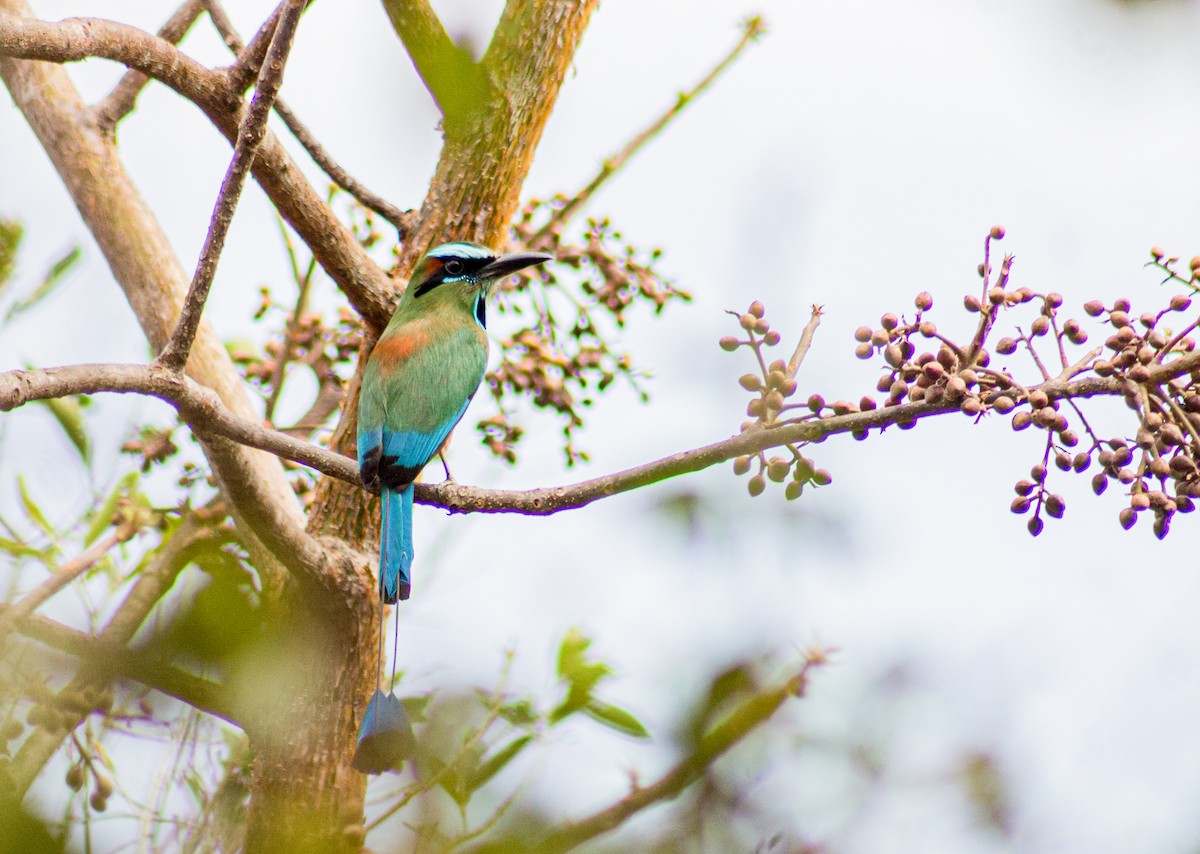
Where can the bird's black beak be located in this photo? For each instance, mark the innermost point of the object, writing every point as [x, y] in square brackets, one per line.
[506, 265]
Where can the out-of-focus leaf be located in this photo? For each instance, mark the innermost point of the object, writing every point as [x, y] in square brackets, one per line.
[32, 510]
[54, 276]
[19, 549]
[616, 718]
[519, 713]
[415, 707]
[571, 652]
[69, 415]
[733, 682]
[581, 675]
[103, 516]
[11, 233]
[492, 766]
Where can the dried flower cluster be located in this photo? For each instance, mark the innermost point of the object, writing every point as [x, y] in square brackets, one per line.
[1149, 359]
[564, 354]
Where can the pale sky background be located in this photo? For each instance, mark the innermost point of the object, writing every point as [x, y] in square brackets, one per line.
[855, 157]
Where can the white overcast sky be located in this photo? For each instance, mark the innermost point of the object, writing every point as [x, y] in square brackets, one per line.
[855, 157]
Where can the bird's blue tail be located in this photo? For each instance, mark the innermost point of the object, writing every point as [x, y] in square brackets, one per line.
[396, 545]
[386, 738]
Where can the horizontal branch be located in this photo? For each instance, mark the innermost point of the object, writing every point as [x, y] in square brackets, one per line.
[119, 660]
[203, 411]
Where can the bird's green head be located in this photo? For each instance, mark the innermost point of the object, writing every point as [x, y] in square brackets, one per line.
[461, 274]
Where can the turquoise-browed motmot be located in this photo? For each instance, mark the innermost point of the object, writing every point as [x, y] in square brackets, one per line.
[416, 386]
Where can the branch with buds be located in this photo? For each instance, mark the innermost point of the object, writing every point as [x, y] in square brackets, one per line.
[1151, 361]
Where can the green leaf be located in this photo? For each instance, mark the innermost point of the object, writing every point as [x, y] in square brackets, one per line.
[491, 767]
[54, 277]
[68, 412]
[32, 510]
[571, 653]
[616, 718]
[19, 549]
[11, 233]
[103, 516]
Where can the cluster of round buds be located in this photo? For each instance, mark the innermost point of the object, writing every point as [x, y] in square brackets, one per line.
[774, 384]
[801, 469]
[772, 387]
[943, 375]
[1161, 468]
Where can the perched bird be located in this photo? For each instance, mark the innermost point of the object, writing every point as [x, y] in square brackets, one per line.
[416, 386]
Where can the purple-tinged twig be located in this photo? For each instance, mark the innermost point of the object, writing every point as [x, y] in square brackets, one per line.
[119, 103]
[251, 131]
[368, 199]
[752, 29]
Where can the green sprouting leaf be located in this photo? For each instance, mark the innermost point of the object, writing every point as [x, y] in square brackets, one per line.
[53, 278]
[35, 514]
[616, 718]
[68, 412]
[103, 516]
[571, 652]
[19, 549]
[11, 233]
[492, 766]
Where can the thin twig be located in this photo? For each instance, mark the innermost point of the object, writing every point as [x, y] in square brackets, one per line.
[63, 576]
[250, 134]
[119, 103]
[427, 783]
[398, 218]
[806, 338]
[752, 29]
[747, 717]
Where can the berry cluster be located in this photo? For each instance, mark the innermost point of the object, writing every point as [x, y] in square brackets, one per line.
[772, 387]
[1149, 359]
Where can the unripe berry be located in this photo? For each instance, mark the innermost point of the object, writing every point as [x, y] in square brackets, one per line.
[772, 338]
[756, 485]
[750, 382]
[729, 343]
[756, 308]
[997, 232]
[741, 465]
[924, 301]
[792, 491]
[1035, 525]
[75, 777]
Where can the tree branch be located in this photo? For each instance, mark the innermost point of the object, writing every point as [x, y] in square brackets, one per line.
[120, 101]
[149, 587]
[747, 717]
[367, 287]
[207, 416]
[58, 579]
[115, 659]
[457, 83]
[141, 259]
[368, 199]
[250, 135]
[752, 29]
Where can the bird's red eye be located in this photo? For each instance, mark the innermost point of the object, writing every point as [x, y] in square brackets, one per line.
[453, 267]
